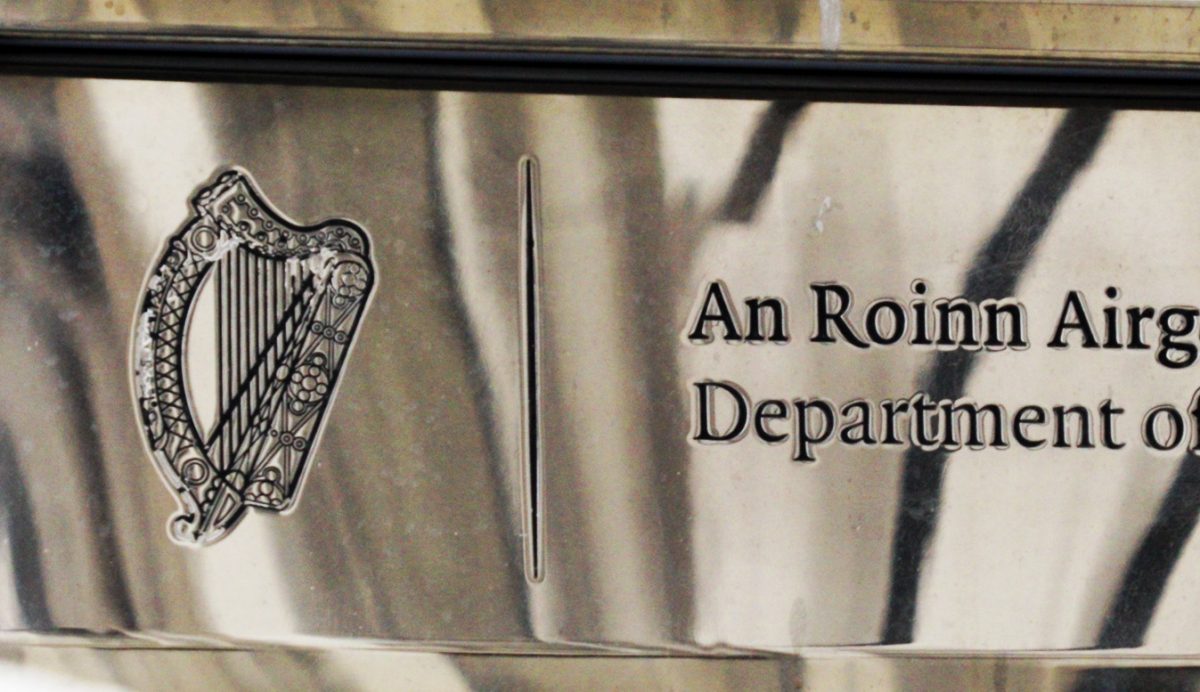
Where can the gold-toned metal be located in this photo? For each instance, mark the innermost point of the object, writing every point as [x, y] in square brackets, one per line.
[83, 669]
[414, 512]
[104, 669]
[1111, 31]
[533, 475]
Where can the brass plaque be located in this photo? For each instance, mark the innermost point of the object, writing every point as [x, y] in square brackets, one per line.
[638, 374]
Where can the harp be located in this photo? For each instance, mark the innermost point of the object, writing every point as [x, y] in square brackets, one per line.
[282, 305]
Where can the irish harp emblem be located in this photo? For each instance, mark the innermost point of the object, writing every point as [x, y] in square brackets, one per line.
[243, 331]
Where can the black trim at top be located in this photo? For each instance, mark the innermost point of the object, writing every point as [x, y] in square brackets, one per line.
[622, 70]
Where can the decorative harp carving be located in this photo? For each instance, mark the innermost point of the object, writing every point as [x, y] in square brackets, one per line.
[280, 304]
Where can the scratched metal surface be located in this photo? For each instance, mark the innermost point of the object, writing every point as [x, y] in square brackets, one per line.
[410, 532]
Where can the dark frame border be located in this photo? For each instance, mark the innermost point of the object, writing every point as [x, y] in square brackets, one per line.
[611, 69]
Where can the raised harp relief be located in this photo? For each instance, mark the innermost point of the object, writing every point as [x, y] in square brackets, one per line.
[243, 331]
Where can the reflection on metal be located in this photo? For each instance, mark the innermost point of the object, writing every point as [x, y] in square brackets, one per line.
[1119, 31]
[288, 300]
[529, 379]
[993, 274]
[757, 168]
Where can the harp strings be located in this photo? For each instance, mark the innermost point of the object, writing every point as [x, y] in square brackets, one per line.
[259, 306]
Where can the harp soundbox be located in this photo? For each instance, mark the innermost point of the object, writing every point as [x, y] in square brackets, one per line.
[244, 328]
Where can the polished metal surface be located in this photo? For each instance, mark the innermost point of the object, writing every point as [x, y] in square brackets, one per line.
[416, 526]
[246, 322]
[1106, 30]
[83, 669]
[80, 669]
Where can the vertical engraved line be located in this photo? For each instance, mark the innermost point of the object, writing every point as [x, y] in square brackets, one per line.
[289, 286]
[531, 443]
[276, 292]
[264, 325]
[252, 332]
[248, 330]
[240, 331]
[247, 344]
[256, 308]
[234, 348]
[230, 345]
[272, 296]
[260, 306]
[239, 336]
[235, 327]
[221, 283]
[281, 306]
[260, 341]
[230, 356]
[234, 372]
[248, 291]
[269, 281]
